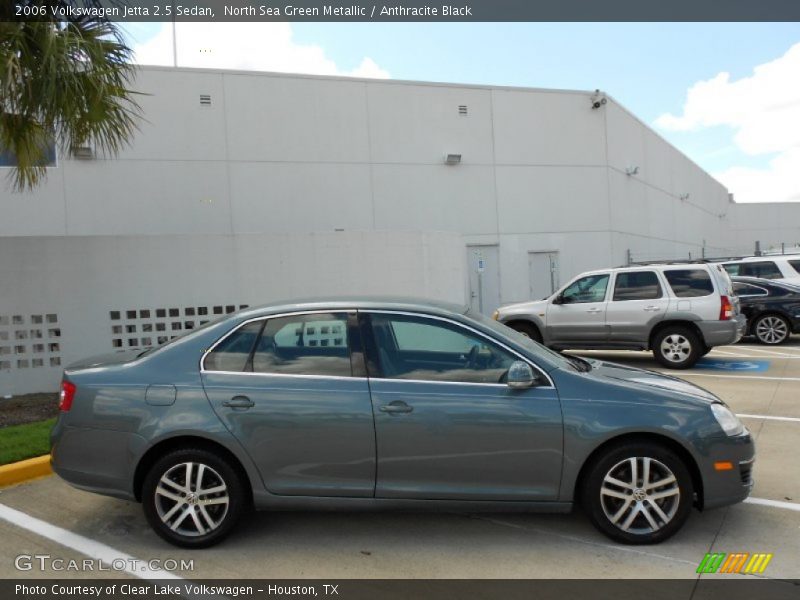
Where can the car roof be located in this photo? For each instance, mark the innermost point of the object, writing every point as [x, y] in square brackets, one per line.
[423, 305]
[763, 258]
[645, 266]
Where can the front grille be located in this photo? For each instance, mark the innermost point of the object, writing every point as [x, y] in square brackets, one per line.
[746, 472]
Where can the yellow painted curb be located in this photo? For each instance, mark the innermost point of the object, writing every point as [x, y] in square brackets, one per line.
[24, 470]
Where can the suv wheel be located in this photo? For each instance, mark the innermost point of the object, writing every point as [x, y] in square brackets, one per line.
[771, 329]
[527, 330]
[638, 493]
[192, 498]
[677, 347]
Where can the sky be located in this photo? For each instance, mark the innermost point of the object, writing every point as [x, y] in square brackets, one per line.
[726, 94]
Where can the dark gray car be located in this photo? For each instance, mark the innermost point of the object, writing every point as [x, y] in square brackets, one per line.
[391, 405]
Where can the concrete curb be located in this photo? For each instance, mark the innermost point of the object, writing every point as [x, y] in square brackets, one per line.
[25, 470]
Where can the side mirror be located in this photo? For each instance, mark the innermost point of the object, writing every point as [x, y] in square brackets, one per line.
[558, 299]
[520, 375]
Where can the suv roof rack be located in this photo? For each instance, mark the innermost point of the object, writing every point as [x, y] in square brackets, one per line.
[686, 261]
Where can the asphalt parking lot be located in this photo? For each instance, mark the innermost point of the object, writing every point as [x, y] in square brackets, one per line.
[761, 384]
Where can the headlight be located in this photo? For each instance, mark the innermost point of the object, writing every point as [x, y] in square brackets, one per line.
[496, 315]
[729, 422]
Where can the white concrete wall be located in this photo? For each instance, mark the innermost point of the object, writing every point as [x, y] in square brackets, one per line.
[81, 279]
[282, 156]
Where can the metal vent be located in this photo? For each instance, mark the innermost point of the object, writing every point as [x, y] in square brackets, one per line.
[462, 109]
[205, 99]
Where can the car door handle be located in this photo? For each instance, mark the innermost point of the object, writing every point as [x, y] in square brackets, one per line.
[396, 407]
[652, 308]
[239, 402]
[594, 310]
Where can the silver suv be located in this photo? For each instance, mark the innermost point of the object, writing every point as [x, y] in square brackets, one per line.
[679, 311]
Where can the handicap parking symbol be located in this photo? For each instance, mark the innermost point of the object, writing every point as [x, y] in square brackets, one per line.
[726, 364]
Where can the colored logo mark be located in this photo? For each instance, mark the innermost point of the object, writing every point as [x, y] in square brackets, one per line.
[735, 562]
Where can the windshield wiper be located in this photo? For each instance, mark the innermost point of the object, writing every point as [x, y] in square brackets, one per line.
[584, 366]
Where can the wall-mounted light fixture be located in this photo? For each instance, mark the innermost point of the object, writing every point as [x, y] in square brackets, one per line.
[632, 170]
[452, 159]
[84, 152]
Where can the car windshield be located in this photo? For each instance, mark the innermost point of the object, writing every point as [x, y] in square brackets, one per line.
[525, 341]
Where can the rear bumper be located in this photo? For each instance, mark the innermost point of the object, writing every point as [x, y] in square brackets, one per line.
[722, 333]
[95, 460]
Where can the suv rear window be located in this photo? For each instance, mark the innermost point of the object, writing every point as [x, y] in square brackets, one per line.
[689, 283]
[636, 285]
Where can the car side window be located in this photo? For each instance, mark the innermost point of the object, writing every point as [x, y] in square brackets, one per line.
[233, 352]
[795, 264]
[765, 270]
[689, 283]
[745, 290]
[591, 288]
[423, 349]
[314, 344]
[636, 285]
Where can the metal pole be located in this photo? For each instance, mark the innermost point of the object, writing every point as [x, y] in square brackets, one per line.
[480, 292]
[174, 39]
[628, 256]
[758, 248]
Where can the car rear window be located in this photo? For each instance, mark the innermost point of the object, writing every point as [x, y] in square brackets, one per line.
[765, 269]
[689, 283]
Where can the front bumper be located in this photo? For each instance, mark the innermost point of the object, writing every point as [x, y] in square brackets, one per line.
[722, 333]
[722, 488]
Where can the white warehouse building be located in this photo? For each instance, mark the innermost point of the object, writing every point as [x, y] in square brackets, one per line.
[242, 188]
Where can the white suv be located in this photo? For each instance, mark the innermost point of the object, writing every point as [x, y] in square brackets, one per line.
[679, 311]
[784, 267]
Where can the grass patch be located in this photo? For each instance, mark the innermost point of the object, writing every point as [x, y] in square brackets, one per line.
[19, 442]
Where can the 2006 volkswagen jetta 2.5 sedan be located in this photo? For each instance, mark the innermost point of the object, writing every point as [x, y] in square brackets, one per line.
[391, 405]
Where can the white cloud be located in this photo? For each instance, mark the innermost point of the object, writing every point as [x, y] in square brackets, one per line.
[764, 111]
[248, 46]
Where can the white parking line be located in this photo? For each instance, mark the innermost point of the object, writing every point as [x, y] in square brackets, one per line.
[687, 374]
[774, 503]
[792, 419]
[775, 353]
[111, 557]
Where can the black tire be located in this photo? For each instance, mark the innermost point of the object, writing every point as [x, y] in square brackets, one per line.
[527, 329]
[705, 350]
[684, 351]
[222, 515]
[771, 329]
[602, 508]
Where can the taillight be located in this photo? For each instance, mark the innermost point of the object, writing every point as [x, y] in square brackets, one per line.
[725, 309]
[67, 395]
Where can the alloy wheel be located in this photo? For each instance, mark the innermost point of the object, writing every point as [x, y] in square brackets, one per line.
[192, 499]
[676, 348]
[771, 330]
[640, 495]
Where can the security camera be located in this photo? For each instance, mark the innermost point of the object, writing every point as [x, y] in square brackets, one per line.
[598, 99]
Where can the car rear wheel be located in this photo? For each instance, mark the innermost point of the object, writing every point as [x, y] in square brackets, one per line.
[192, 497]
[677, 347]
[528, 330]
[771, 329]
[638, 493]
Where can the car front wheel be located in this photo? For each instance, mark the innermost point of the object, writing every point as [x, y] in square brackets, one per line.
[192, 497]
[638, 493]
[677, 347]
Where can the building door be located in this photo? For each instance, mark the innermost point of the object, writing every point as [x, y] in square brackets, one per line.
[542, 274]
[484, 278]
